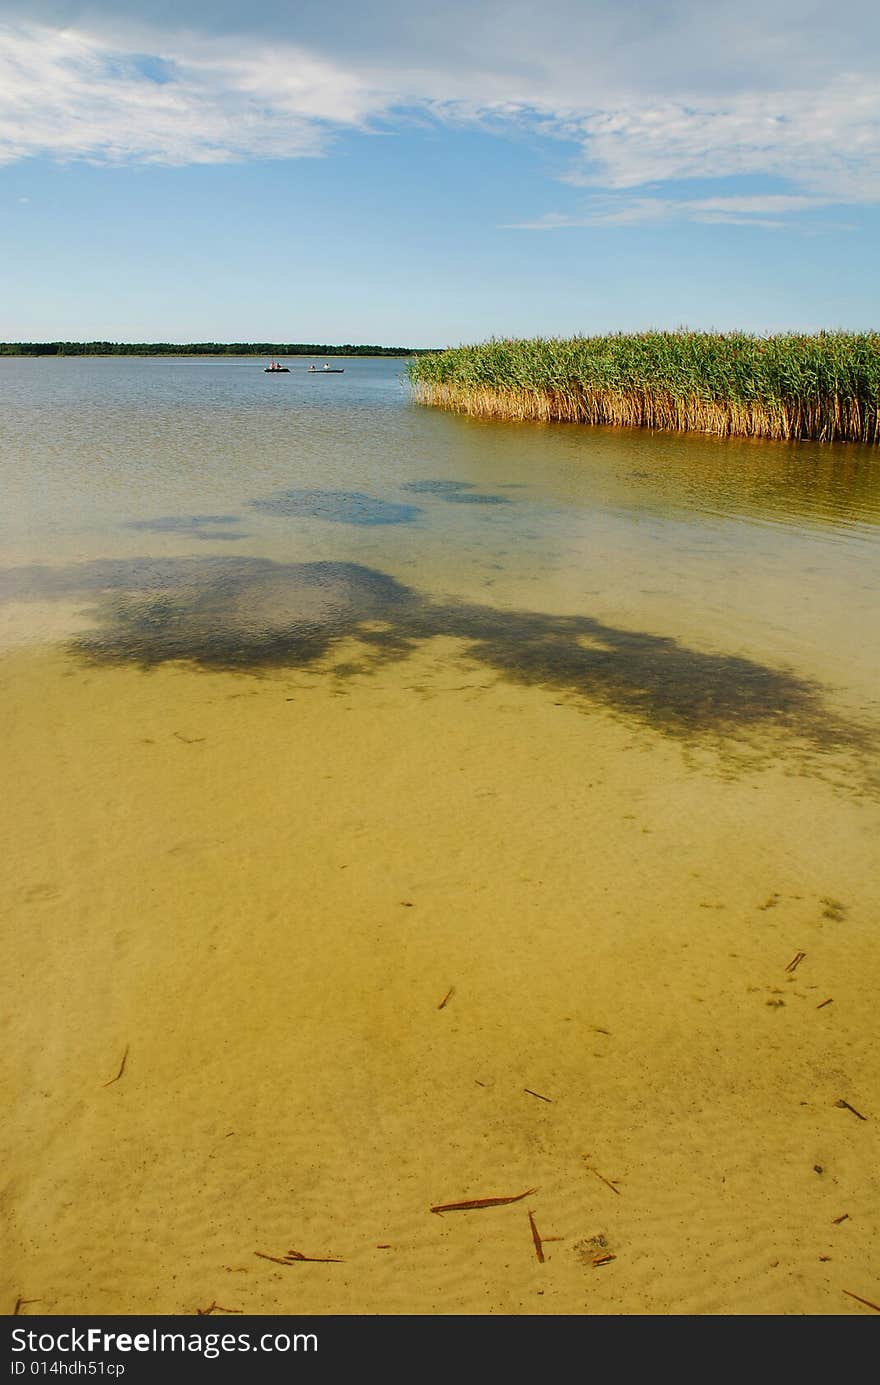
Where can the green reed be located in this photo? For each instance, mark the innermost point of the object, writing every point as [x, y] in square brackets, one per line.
[824, 386]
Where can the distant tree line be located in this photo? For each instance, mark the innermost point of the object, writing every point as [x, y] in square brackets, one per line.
[198, 348]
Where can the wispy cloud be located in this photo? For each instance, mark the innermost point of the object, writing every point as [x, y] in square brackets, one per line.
[766, 212]
[757, 205]
[648, 102]
[74, 95]
[603, 212]
[826, 141]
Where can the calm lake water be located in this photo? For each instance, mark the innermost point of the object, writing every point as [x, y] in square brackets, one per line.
[742, 549]
[317, 698]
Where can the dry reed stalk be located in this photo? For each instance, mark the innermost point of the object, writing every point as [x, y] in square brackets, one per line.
[644, 410]
[825, 387]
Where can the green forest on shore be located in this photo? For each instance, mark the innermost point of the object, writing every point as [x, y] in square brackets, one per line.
[200, 348]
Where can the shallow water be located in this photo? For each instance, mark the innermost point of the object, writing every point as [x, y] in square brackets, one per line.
[747, 548]
[319, 704]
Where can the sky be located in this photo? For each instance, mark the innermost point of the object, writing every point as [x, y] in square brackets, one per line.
[399, 173]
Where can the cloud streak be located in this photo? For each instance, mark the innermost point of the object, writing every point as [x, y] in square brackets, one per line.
[765, 212]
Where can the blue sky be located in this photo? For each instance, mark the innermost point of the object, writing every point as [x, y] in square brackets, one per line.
[406, 174]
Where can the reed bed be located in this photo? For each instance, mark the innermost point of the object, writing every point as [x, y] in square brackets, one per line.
[824, 386]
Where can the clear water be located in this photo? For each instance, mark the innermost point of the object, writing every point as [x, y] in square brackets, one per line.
[318, 704]
[749, 549]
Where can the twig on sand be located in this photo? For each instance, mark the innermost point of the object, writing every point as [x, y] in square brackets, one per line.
[22, 1303]
[539, 1249]
[121, 1069]
[476, 1202]
[604, 1259]
[603, 1179]
[796, 961]
[822, 1004]
[216, 1308]
[866, 1301]
[296, 1257]
[844, 1216]
[538, 1095]
[446, 999]
[846, 1106]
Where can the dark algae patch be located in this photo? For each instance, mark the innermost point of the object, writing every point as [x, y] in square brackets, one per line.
[182, 524]
[204, 527]
[476, 498]
[444, 488]
[224, 535]
[252, 614]
[456, 492]
[340, 507]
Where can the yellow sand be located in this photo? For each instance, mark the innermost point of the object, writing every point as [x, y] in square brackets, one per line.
[261, 890]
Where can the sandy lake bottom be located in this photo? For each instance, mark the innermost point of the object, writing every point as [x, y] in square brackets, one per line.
[259, 891]
[399, 812]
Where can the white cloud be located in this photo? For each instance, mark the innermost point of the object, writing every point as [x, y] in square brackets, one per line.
[623, 210]
[73, 95]
[770, 202]
[653, 97]
[826, 141]
[604, 212]
[764, 223]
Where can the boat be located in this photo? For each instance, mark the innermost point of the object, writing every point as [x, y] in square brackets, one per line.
[326, 370]
[276, 368]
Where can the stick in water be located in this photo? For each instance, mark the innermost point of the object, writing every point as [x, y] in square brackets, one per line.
[121, 1069]
[866, 1301]
[846, 1106]
[603, 1179]
[539, 1249]
[481, 1202]
[296, 1257]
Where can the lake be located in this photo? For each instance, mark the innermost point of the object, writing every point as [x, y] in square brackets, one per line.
[404, 809]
